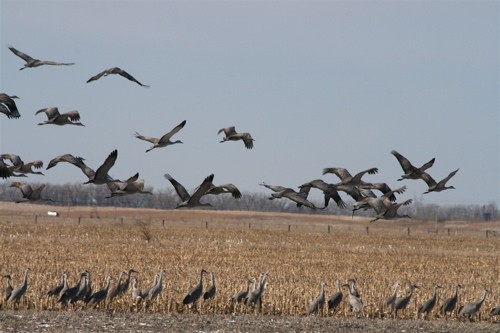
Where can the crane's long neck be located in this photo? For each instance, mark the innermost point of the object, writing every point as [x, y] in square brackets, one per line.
[25, 281]
[484, 297]
[106, 286]
[338, 285]
[212, 279]
[200, 279]
[395, 290]
[323, 290]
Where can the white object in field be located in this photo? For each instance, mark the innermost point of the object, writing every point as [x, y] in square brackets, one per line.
[52, 213]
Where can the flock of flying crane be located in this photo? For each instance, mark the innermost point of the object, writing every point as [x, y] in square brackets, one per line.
[385, 206]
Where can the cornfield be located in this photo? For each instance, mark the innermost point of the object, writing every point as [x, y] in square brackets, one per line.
[297, 251]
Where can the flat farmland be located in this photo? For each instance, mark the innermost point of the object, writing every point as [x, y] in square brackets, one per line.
[297, 251]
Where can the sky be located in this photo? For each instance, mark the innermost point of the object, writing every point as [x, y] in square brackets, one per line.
[317, 84]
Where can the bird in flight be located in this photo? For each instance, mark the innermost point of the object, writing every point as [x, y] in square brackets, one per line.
[115, 70]
[164, 140]
[32, 62]
[231, 135]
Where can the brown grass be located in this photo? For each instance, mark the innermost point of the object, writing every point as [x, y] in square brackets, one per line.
[298, 251]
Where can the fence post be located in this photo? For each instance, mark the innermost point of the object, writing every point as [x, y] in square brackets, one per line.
[162, 223]
[367, 230]
[206, 224]
[408, 231]
[79, 217]
[448, 231]
[328, 228]
[487, 232]
[249, 225]
[122, 220]
[289, 227]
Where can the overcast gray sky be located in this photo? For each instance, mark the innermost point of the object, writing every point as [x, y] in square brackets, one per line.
[317, 84]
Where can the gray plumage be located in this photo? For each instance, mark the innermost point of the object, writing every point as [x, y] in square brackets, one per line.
[8, 287]
[225, 188]
[471, 309]
[231, 135]
[60, 119]
[146, 291]
[355, 302]
[318, 303]
[336, 298]
[115, 290]
[32, 62]
[255, 296]
[427, 307]
[329, 192]
[23, 168]
[410, 171]
[195, 293]
[8, 106]
[116, 70]
[28, 193]
[389, 301]
[300, 198]
[210, 291]
[125, 285]
[347, 178]
[57, 289]
[20, 290]
[495, 311]
[100, 295]
[157, 288]
[193, 200]
[67, 295]
[402, 302]
[164, 140]
[240, 296]
[101, 174]
[449, 304]
[437, 186]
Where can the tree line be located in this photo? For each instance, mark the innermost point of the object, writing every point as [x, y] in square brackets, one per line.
[75, 194]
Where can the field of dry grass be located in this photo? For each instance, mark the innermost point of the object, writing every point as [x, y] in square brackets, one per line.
[298, 251]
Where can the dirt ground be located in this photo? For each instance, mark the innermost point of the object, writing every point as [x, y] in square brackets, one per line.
[51, 321]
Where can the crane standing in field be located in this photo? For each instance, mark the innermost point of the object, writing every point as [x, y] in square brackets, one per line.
[57, 289]
[20, 290]
[100, 295]
[318, 303]
[402, 302]
[8, 287]
[450, 304]
[389, 301]
[195, 293]
[336, 298]
[355, 302]
[427, 307]
[240, 296]
[471, 309]
[210, 292]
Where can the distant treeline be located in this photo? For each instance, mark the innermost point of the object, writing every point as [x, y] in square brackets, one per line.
[91, 195]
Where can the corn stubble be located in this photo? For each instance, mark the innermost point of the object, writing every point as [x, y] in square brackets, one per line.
[297, 264]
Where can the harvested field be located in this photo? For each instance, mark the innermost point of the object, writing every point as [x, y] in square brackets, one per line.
[299, 252]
